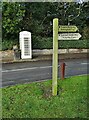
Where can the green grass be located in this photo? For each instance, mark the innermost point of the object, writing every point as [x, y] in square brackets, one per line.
[35, 100]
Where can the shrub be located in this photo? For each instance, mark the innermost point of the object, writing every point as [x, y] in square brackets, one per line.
[47, 43]
[76, 44]
[39, 42]
[8, 44]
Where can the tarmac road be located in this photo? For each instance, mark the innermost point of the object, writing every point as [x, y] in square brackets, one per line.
[25, 72]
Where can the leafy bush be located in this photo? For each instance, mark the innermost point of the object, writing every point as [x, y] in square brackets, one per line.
[41, 43]
[47, 43]
[8, 44]
[77, 44]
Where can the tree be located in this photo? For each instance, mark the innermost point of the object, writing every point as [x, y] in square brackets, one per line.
[37, 17]
[12, 17]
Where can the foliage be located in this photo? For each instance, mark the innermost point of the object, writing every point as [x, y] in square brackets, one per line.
[35, 100]
[76, 44]
[42, 43]
[12, 16]
[86, 32]
[37, 17]
[47, 43]
[8, 44]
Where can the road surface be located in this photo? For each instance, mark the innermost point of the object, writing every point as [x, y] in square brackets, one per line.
[25, 72]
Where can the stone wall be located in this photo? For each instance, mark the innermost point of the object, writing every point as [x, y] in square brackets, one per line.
[65, 53]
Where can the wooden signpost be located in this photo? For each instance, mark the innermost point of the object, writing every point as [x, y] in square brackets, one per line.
[55, 57]
[56, 37]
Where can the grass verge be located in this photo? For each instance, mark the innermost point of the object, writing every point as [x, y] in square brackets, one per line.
[35, 100]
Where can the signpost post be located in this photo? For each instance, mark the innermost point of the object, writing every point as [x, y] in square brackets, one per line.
[55, 57]
[62, 36]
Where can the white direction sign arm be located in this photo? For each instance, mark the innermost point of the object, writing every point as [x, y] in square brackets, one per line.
[67, 28]
[69, 36]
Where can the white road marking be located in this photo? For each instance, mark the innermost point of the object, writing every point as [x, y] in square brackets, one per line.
[84, 63]
[76, 75]
[15, 70]
[8, 81]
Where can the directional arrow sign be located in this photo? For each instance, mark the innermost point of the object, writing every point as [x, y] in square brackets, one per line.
[67, 28]
[69, 36]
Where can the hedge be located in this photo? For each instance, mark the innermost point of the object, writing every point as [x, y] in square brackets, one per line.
[47, 43]
[8, 44]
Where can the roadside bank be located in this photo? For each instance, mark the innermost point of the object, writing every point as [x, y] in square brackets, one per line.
[45, 54]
